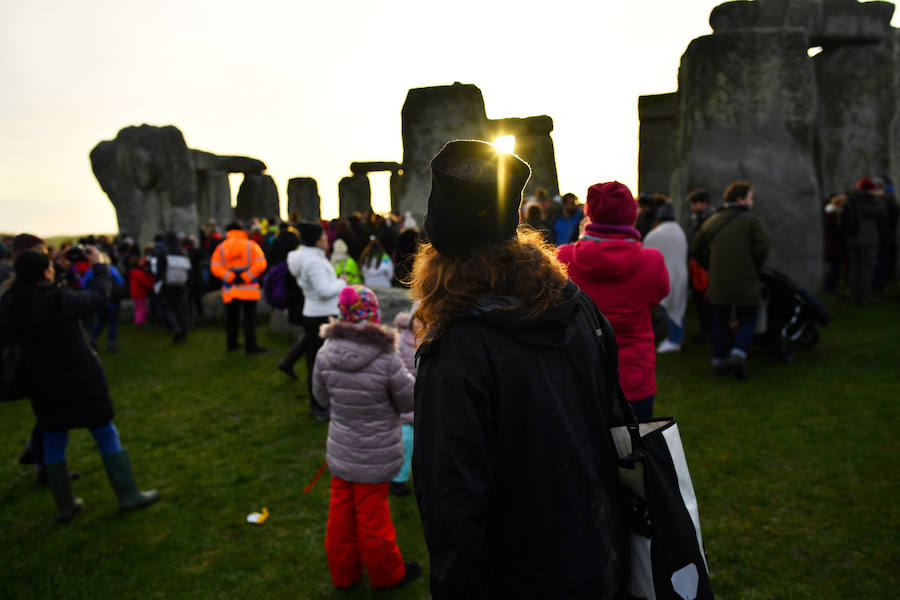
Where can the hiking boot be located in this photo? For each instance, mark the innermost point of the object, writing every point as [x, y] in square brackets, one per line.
[738, 366]
[413, 572]
[668, 346]
[399, 488]
[112, 348]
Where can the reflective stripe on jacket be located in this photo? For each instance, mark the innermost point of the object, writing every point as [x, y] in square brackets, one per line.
[238, 262]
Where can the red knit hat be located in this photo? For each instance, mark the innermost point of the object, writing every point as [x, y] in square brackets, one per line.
[865, 184]
[611, 203]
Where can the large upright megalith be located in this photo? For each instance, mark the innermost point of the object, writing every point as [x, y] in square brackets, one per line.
[752, 104]
[354, 195]
[754, 120]
[303, 198]
[433, 116]
[213, 186]
[148, 174]
[257, 197]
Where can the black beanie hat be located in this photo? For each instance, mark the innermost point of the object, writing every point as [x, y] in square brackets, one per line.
[310, 233]
[24, 242]
[476, 191]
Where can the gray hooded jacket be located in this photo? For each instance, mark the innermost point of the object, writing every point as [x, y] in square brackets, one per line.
[361, 376]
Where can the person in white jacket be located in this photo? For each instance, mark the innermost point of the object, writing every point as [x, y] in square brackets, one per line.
[321, 288]
[668, 237]
[376, 264]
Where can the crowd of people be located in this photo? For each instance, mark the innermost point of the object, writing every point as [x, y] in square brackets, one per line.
[516, 486]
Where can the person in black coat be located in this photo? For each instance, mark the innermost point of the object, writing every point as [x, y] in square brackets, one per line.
[65, 380]
[173, 272]
[514, 469]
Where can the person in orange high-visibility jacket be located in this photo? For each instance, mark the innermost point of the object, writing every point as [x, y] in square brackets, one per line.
[239, 262]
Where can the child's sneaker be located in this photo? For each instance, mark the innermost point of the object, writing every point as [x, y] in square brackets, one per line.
[668, 346]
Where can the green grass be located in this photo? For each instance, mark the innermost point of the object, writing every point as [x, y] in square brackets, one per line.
[793, 472]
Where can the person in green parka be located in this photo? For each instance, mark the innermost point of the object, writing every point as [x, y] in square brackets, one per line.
[343, 263]
[738, 244]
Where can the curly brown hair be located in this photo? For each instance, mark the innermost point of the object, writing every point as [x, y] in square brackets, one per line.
[524, 267]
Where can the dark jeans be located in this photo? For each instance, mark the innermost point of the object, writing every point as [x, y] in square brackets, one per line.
[110, 317]
[312, 342]
[175, 306]
[722, 345]
[233, 312]
[704, 314]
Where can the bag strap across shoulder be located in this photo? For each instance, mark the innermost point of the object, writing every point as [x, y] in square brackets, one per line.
[603, 332]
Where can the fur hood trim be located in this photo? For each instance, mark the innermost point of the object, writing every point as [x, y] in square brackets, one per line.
[364, 332]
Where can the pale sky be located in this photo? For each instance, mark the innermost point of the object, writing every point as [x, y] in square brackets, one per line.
[309, 87]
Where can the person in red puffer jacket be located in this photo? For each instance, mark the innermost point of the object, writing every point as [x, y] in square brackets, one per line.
[140, 286]
[625, 280]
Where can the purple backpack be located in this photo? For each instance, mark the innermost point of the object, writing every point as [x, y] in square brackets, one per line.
[275, 285]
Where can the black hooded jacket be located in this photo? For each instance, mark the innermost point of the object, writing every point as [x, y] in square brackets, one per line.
[514, 469]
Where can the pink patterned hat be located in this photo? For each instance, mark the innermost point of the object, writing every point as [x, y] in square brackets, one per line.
[358, 303]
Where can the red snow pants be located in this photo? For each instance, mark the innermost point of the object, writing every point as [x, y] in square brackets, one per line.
[360, 531]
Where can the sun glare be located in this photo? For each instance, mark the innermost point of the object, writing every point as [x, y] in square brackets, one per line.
[505, 143]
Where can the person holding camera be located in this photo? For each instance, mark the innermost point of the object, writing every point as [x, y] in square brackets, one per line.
[64, 378]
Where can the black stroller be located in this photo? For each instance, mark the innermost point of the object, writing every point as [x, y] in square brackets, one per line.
[792, 314]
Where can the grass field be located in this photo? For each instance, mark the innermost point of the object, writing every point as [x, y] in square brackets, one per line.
[794, 471]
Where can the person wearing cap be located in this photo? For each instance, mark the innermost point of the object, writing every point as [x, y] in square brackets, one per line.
[515, 480]
[239, 262]
[360, 376]
[625, 280]
[321, 287]
[668, 237]
[737, 244]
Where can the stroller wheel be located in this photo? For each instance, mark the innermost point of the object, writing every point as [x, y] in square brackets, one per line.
[809, 336]
[788, 350]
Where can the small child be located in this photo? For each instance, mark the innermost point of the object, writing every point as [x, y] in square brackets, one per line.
[140, 283]
[360, 376]
[407, 326]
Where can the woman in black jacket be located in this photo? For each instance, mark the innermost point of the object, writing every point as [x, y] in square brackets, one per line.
[513, 465]
[65, 380]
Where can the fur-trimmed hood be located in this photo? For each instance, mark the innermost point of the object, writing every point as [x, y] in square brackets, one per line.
[357, 344]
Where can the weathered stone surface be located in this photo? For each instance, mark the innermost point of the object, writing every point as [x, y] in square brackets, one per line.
[214, 197]
[856, 105]
[430, 118]
[433, 116]
[825, 23]
[361, 168]
[148, 174]
[257, 197]
[303, 198]
[746, 108]
[534, 145]
[354, 195]
[894, 134]
[207, 161]
[656, 158]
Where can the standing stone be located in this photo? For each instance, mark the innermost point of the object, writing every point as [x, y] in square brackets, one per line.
[533, 145]
[354, 195]
[430, 118]
[148, 174]
[257, 197]
[746, 109]
[856, 104]
[303, 198]
[214, 197]
[657, 136]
